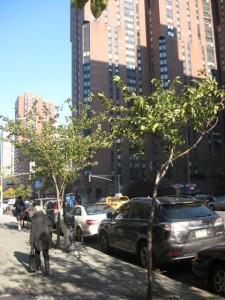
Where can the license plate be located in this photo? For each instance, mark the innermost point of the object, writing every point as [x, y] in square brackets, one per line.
[201, 233]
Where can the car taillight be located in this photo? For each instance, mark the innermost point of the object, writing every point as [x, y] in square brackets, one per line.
[173, 254]
[175, 227]
[55, 210]
[219, 221]
[92, 222]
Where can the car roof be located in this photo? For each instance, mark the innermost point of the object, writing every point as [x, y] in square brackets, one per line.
[165, 200]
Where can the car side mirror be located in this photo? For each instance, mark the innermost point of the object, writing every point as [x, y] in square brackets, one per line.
[109, 215]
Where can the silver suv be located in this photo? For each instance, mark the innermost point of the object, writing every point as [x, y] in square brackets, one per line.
[180, 229]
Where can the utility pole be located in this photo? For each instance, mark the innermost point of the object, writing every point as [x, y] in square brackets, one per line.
[102, 177]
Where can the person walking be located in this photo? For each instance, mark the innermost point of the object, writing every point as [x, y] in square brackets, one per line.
[41, 237]
[19, 208]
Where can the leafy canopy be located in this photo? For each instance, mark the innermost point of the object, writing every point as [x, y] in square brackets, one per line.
[166, 113]
[97, 6]
[59, 151]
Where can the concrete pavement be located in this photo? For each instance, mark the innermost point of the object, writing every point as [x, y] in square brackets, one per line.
[84, 274]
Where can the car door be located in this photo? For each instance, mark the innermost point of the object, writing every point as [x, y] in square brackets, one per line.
[115, 228]
[135, 227]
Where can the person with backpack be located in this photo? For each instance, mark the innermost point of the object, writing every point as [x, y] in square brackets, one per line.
[19, 208]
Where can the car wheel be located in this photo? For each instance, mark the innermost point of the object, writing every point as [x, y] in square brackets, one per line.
[104, 243]
[217, 279]
[142, 254]
[79, 235]
[211, 207]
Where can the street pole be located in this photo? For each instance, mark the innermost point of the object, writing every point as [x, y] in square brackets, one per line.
[101, 177]
[118, 183]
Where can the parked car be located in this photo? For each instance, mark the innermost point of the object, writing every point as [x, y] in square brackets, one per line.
[209, 266]
[204, 198]
[87, 218]
[217, 204]
[5, 206]
[180, 229]
[41, 202]
[114, 201]
[51, 209]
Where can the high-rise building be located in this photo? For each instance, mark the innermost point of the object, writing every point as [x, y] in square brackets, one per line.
[7, 156]
[182, 42]
[114, 44]
[218, 7]
[139, 41]
[23, 105]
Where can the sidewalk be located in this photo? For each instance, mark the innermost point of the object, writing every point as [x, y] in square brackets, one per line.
[85, 274]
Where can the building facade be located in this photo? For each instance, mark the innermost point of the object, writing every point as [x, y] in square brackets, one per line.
[23, 105]
[139, 41]
[114, 44]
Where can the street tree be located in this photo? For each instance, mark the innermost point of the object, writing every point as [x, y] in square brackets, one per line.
[60, 151]
[97, 6]
[165, 114]
[9, 193]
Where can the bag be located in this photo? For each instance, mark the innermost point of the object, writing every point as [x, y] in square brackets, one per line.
[32, 261]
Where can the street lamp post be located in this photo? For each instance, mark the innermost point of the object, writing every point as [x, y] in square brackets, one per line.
[102, 177]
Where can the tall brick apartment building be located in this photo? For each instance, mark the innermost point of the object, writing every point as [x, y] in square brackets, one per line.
[23, 105]
[139, 41]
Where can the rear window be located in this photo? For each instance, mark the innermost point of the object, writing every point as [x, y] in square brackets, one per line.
[187, 211]
[98, 209]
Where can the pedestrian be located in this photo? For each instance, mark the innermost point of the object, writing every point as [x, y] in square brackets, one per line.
[41, 237]
[19, 208]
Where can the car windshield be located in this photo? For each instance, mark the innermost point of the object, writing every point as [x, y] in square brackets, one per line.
[187, 211]
[102, 200]
[98, 209]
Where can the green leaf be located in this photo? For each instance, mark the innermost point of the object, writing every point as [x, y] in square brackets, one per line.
[79, 4]
[97, 7]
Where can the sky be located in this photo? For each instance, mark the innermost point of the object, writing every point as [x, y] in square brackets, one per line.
[35, 51]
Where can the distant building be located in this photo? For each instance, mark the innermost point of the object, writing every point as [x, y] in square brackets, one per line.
[7, 157]
[23, 105]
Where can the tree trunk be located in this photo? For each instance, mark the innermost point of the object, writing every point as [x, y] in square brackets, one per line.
[159, 177]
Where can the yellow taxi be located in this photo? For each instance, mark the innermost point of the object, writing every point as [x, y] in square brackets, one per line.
[114, 201]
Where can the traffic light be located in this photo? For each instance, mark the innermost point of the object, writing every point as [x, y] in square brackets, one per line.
[89, 178]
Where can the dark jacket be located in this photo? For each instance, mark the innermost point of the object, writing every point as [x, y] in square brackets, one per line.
[19, 207]
[41, 231]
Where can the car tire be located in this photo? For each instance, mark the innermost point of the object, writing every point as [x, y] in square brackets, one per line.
[217, 279]
[104, 243]
[211, 207]
[79, 235]
[142, 254]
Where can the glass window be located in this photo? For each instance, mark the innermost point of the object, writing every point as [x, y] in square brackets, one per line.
[77, 211]
[122, 211]
[138, 211]
[187, 211]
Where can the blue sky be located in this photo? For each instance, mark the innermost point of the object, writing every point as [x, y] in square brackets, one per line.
[35, 51]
